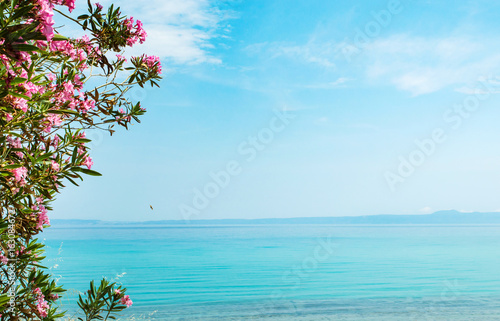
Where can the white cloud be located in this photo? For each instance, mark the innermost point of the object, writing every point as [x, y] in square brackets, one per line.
[419, 65]
[312, 52]
[179, 30]
[423, 65]
[330, 85]
[488, 85]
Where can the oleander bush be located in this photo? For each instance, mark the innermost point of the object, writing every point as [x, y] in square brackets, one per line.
[52, 89]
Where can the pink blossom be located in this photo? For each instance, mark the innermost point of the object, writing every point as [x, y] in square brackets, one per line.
[87, 105]
[8, 117]
[126, 300]
[70, 4]
[140, 32]
[43, 218]
[88, 162]
[153, 62]
[55, 166]
[42, 306]
[15, 143]
[55, 120]
[55, 141]
[20, 173]
[77, 81]
[45, 16]
[21, 103]
[69, 90]
[98, 5]
[117, 291]
[31, 88]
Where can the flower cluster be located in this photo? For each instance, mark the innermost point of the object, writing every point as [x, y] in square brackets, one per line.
[45, 14]
[53, 89]
[40, 213]
[126, 301]
[41, 304]
[136, 33]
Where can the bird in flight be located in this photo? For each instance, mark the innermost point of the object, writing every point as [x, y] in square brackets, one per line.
[151, 207]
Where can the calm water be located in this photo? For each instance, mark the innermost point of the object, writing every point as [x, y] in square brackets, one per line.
[290, 272]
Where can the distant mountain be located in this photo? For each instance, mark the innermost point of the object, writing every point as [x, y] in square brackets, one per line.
[441, 217]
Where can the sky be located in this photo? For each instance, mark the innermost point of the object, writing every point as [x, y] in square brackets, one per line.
[305, 108]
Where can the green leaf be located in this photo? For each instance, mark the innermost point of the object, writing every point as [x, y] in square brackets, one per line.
[74, 155]
[63, 111]
[19, 95]
[24, 47]
[4, 298]
[90, 172]
[18, 80]
[59, 38]
[12, 166]
[83, 17]
[43, 157]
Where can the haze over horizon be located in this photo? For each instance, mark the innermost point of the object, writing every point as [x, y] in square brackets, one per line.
[311, 109]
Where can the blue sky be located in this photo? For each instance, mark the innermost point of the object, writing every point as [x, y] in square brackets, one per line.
[355, 85]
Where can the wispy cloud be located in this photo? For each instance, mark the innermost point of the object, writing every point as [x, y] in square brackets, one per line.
[418, 65]
[312, 52]
[425, 65]
[340, 82]
[182, 31]
[488, 85]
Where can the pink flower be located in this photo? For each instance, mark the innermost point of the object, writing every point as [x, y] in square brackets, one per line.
[117, 291]
[121, 58]
[55, 166]
[44, 15]
[140, 32]
[21, 103]
[55, 141]
[20, 173]
[54, 120]
[43, 219]
[98, 5]
[70, 4]
[68, 90]
[88, 162]
[42, 306]
[126, 300]
[153, 62]
[8, 117]
[15, 143]
[87, 105]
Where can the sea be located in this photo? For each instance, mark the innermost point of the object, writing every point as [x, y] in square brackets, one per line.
[284, 272]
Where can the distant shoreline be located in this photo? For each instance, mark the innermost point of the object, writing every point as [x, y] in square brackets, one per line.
[438, 218]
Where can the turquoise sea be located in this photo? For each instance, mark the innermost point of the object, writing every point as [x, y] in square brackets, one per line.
[286, 272]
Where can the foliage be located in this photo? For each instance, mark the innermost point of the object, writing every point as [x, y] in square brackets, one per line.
[52, 89]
